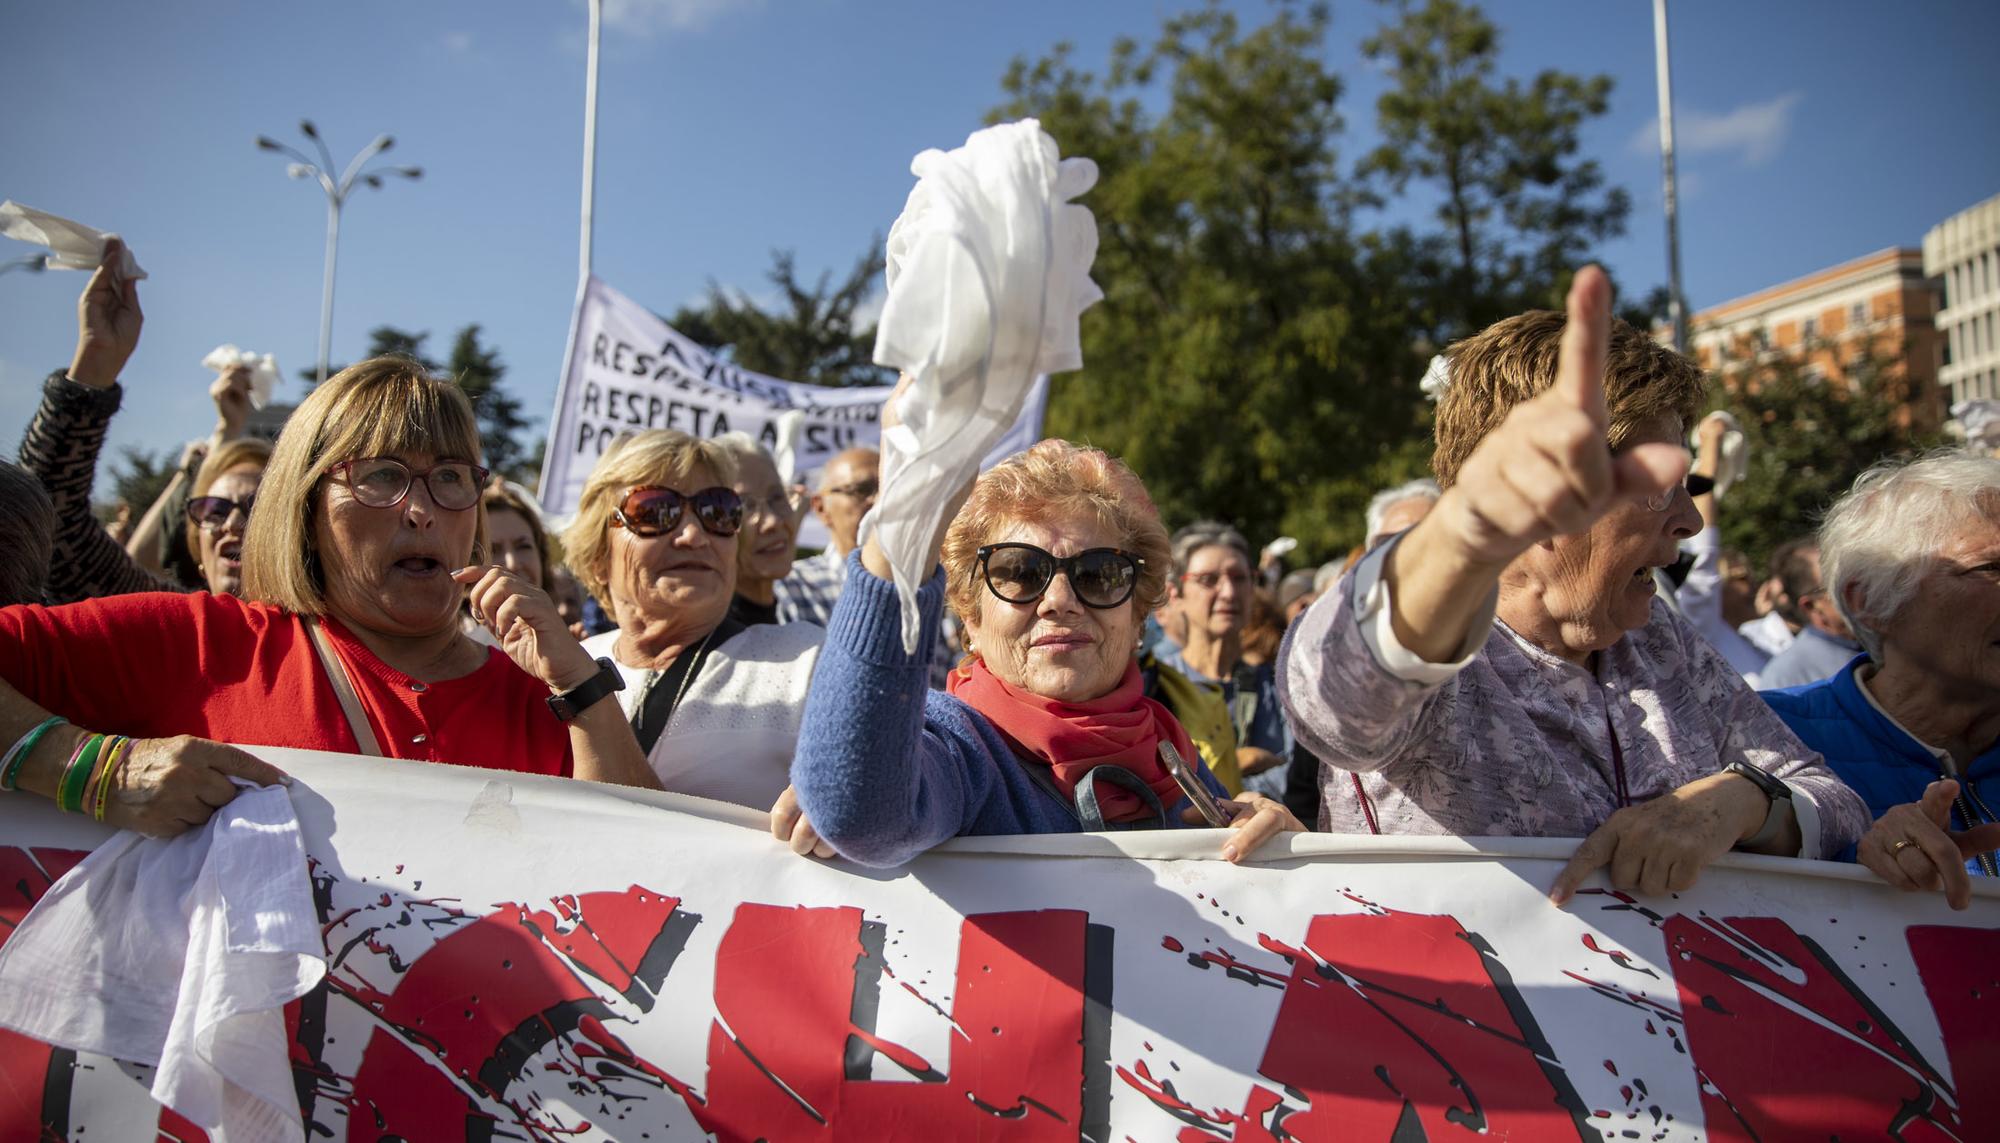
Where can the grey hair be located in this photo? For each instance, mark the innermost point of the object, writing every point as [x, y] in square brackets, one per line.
[1204, 534]
[27, 536]
[1881, 538]
[744, 446]
[1378, 508]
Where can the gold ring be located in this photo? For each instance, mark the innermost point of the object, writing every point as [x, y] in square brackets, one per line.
[1901, 845]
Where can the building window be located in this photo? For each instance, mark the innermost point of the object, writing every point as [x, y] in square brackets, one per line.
[1989, 329]
[1857, 314]
[1986, 270]
[1809, 330]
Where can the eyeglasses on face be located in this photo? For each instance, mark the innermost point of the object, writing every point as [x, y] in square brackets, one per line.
[650, 510]
[1694, 484]
[213, 512]
[859, 490]
[775, 506]
[1209, 581]
[1021, 573]
[384, 481]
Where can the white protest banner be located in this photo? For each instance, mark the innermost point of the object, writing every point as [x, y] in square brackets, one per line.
[627, 370]
[532, 959]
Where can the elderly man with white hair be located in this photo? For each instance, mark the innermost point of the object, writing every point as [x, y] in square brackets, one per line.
[1398, 509]
[1911, 555]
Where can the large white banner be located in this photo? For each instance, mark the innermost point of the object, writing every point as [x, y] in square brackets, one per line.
[627, 370]
[529, 959]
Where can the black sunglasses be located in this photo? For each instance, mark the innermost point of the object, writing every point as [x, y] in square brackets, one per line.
[649, 510]
[1021, 573]
[212, 512]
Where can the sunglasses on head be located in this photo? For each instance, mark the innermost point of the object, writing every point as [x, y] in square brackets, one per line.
[650, 510]
[1021, 573]
[212, 512]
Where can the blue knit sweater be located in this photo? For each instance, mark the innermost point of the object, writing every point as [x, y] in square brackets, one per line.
[1872, 754]
[887, 767]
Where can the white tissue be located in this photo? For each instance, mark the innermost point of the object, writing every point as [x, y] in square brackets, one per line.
[989, 272]
[1734, 463]
[1436, 377]
[785, 454]
[72, 245]
[263, 370]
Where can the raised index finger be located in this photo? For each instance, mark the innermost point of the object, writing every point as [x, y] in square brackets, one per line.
[1585, 340]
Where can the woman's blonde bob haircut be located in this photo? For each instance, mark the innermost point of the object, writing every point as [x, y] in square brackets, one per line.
[231, 454]
[666, 457]
[1056, 480]
[384, 406]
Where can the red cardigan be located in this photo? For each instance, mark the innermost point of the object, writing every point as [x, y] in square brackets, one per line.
[158, 665]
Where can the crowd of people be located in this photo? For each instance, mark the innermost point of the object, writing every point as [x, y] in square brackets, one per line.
[1544, 638]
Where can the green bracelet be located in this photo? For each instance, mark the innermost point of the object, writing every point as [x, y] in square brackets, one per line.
[69, 795]
[10, 766]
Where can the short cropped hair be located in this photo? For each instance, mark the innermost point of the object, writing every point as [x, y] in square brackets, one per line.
[502, 497]
[379, 407]
[1423, 487]
[1883, 536]
[655, 456]
[1205, 534]
[1512, 361]
[230, 454]
[1056, 479]
[1792, 565]
[27, 536]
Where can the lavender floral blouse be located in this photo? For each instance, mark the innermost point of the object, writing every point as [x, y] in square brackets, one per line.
[1512, 741]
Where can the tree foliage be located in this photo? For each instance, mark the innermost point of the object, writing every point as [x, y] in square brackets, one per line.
[1809, 438]
[1257, 354]
[478, 371]
[139, 480]
[810, 333]
[1517, 209]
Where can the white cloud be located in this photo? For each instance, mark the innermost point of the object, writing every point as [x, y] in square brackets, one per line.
[645, 17]
[458, 43]
[1753, 132]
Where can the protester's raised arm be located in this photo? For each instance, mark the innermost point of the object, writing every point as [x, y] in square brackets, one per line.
[1547, 471]
[108, 320]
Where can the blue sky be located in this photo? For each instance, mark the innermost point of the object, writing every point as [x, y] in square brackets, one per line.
[1810, 133]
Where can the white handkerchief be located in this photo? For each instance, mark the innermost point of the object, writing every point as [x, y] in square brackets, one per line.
[263, 370]
[989, 272]
[72, 245]
[181, 953]
[1734, 463]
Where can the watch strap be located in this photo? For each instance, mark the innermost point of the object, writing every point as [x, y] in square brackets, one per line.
[1775, 790]
[585, 694]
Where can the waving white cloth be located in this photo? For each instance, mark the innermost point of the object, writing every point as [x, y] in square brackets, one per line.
[72, 245]
[263, 370]
[989, 270]
[181, 953]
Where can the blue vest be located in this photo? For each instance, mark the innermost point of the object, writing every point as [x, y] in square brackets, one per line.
[1870, 753]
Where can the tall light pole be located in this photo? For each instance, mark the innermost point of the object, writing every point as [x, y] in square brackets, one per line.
[586, 240]
[336, 194]
[1676, 309]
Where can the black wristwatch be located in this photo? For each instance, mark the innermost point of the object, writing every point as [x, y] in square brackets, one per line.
[579, 698]
[1775, 789]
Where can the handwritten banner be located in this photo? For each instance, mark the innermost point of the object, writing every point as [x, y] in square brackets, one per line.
[523, 958]
[627, 370]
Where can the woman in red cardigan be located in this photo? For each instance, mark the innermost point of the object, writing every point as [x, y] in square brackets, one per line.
[365, 537]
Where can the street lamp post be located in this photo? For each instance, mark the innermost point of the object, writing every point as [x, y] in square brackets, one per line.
[336, 194]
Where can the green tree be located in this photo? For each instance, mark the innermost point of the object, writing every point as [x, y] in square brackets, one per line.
[1809, 438]
[1518, 210]
[1246, 361]
[138, 481]
[809, 334]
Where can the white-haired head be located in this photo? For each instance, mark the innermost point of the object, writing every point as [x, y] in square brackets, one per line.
[745, 447]
[1422, 488]
[1883, 537]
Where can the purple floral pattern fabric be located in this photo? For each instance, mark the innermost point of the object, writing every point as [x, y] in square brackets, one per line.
[1519, 743]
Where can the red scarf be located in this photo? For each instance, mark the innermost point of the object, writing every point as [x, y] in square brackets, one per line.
[1123, 728]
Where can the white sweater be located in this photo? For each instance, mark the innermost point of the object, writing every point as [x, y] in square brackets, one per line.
[734, 733]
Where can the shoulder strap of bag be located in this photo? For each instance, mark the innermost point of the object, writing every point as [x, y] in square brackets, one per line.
[670, 686]
[1085, 808]
[343, 689]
